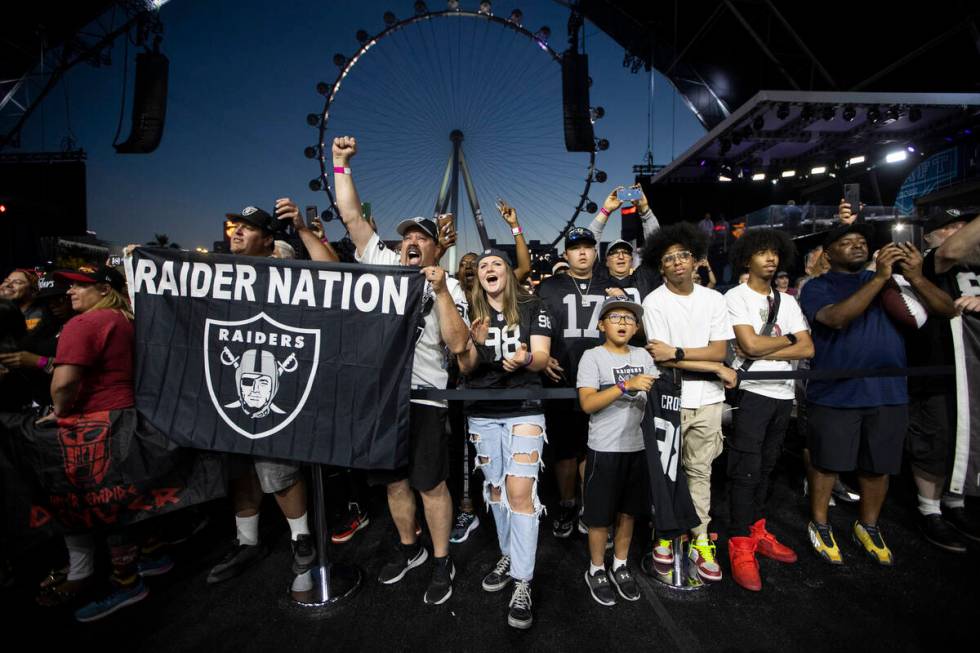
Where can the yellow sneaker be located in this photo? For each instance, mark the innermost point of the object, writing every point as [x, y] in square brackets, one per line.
[874, 545]
[824, 544]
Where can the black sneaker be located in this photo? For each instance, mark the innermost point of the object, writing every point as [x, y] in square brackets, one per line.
[304, 554]
[404, 557]
[239, 558]
[519, 615]
[622, 579]
[937, 531]
[961, 521]
[466, 523]
[441, 585]
[844, 493]
[564, 525]
[600, 588]
[499, 578]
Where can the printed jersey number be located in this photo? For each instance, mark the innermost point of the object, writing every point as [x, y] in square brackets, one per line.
[573, 304]
[969, 284]
[667, 437]
[505, 342]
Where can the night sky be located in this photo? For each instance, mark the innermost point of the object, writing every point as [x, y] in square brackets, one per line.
[242, 78]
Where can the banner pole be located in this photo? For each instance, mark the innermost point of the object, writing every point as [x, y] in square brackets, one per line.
[333, 582]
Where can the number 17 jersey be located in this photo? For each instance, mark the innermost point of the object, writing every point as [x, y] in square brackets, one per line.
[574, 306]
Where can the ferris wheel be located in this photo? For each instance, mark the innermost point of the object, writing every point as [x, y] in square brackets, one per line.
[453, 110]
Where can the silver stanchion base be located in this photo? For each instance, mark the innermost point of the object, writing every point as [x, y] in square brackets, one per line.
[342, 581]
[681, 576]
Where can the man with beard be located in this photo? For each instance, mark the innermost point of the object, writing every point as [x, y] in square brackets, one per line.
[858, 423]
[573, 300]
[442, 328]
[932, 438]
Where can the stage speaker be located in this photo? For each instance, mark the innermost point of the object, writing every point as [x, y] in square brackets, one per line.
[575, 102]
[149, 104]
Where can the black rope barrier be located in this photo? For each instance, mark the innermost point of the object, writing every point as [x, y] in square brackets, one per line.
[572, 393]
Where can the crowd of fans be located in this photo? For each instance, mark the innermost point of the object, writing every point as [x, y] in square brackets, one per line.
[606, 328]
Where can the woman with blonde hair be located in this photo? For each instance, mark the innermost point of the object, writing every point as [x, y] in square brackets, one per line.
[511, 342]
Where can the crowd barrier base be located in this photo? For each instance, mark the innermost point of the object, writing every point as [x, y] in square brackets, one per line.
[681, 575]
[333, 582]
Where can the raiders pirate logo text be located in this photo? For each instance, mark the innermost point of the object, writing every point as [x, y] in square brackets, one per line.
[259, 372]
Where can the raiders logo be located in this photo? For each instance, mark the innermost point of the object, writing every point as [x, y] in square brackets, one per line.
[259, 372]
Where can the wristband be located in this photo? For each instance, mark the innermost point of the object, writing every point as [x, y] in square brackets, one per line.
[42, 362]
[530, 359]
[341, 170]
[604, 211]
[791, 338]
[517, 231]
[622, 387]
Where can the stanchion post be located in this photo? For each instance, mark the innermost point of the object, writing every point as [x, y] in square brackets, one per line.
[332, 581]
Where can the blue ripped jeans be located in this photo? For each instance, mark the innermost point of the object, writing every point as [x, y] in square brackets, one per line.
[496, 447]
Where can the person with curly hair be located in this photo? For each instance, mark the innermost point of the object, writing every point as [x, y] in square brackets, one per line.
[687, 327]
[770, 334]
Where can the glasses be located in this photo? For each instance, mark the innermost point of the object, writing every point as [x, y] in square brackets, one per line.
[620, 318]
[676, 256]
[619, 253]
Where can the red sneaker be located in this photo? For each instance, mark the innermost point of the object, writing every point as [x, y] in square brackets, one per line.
[768, 545]
[745, 568]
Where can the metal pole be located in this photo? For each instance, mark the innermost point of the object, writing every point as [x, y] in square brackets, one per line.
[481, 227]
[332, 581]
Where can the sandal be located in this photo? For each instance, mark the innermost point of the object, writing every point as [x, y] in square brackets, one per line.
[64, 593]
[55, 577]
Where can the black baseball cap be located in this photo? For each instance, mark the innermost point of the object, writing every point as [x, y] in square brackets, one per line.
[836, 234]
[619, 244]
[50, 286]
[102, 274]
[255, 217]
[943, 217]
[418, 222]
[494, 252]
[620, 301]
[579, 235]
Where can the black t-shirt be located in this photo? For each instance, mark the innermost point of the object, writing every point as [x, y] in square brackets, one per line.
[574, 306]
[502, 343]
[933, 343]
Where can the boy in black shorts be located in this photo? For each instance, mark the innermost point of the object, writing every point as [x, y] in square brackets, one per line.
[613, 380]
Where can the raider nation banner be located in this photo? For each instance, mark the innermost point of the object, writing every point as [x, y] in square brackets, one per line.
[286, 359]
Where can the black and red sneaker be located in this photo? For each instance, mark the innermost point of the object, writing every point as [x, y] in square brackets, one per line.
[355, 521]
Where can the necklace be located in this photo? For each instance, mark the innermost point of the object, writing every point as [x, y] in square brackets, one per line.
[582, 300]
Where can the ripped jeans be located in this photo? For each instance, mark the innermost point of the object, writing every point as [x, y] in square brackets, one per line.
[503, 455]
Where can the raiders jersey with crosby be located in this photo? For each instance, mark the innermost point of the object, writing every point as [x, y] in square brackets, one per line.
[430, 368]
[574, 306]
[502, 343]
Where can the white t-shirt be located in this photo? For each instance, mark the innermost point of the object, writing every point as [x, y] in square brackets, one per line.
[746, 306]
[689, 321]
[431, 356]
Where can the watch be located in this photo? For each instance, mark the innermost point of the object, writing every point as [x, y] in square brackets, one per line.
[678, 354]
[791, 338]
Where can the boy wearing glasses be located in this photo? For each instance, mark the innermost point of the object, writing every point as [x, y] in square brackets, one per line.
[688, 328]
[613, 380]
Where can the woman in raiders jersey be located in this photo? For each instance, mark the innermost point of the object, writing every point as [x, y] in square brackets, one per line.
[511, 334]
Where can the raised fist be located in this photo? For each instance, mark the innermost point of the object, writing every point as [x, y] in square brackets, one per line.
[344, 147]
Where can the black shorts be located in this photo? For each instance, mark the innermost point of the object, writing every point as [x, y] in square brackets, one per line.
[866, 439]
[428, 455]
[568, 429]
[615, 482]
[929, 444]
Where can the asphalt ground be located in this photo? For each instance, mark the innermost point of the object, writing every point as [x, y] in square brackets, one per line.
[927, 600]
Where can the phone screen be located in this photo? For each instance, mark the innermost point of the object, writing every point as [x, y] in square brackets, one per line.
[628, 194]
